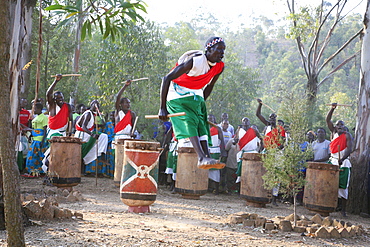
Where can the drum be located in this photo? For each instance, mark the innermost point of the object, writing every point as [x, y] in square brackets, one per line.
[251, 183]
[65, 161]
[321, 189]
[119, 159]
[139, 178]
[191, 182]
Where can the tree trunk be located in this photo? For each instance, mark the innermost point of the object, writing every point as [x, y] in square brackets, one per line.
[311, 92]
[10, 17]
[359, 185]
[25, 39]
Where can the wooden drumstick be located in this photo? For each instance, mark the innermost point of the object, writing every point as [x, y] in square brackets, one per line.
[133, 127]
[169, 115]
[213, 124]
[268, 106]
[347, 105]
[68, 75]
[140, 79]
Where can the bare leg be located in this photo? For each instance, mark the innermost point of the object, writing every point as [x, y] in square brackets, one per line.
[204, 161]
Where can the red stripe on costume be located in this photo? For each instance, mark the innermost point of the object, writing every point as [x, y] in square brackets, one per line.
[273, 138]
[60, 119]
[81, 129]
[247, 137]
[198, 82]
[214, 131]
[340, 141]
[126, 120]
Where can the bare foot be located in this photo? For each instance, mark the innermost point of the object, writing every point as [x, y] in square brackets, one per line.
[208, 163]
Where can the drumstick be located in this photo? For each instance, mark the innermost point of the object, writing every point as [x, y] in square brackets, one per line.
[268, 106]
[214, 125]
[140, 79]
[348, 105]
[68, 75]
[133, 128]
[338, 154]
[169, 115]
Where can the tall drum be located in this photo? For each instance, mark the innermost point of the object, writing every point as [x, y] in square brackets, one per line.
[65, 161]
[191, 182]
[321, 189]
[139, 179]
[251, 183]
[119, 160]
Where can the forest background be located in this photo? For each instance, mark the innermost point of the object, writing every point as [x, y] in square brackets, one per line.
[262, 61]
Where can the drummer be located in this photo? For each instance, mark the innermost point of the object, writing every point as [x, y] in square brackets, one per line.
[94, 144]
[185, 89]
[60, 116]
[340, 149]
[124, 117]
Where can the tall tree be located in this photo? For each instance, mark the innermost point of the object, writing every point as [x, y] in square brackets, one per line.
[305, 27]
[10, 50]
[360, 188]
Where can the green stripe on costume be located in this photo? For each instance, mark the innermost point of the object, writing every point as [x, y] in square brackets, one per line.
[194, 123]
[343, 177]
[87, 146]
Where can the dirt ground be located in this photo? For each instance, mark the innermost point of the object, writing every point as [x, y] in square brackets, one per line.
[173, 221]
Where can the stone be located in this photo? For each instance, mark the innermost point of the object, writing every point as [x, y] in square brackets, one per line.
[336, 223]
[351, 232]
[344, 233]
[68, 213]
[333, 232]
[78, 215]
[48, 212]
[274, 231]
[29, 197]
[65, 193]
[269, 226]
[311, 229]
[244, 215]
[235, 219]
[347, 224]
[327, 221]
[253, 216]
[71, 198]
[290, 217]
[59, 213]
[303, 222]
[317, 219]
[260, 221]
[303, 217]
[285, 226]
[322, 233]
[299, 229]
[248, 223]
[33, 210]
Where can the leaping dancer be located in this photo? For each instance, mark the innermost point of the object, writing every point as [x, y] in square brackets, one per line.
[185, 89]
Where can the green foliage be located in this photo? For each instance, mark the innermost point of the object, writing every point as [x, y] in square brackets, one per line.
[285, 167]
[111, 17]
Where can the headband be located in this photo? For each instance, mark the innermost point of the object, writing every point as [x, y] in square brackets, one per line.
[213, 42]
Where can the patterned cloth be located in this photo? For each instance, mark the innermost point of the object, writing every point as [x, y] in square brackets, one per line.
[37, 149]
[106, 165]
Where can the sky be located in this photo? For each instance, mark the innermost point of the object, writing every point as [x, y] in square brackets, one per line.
[232, 12]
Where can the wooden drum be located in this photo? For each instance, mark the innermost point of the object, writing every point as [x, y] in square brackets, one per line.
[139, 178]
[251, 183]
[65, 161]
[321, 189]
[191, 182]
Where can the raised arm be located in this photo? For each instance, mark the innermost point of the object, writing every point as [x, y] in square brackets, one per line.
[49, 92]
[175, 73]
[329, 116]
[118, 97]
[259, 115]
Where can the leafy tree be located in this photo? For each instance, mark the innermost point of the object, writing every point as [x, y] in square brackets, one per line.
[284, 168]
[308, 27]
